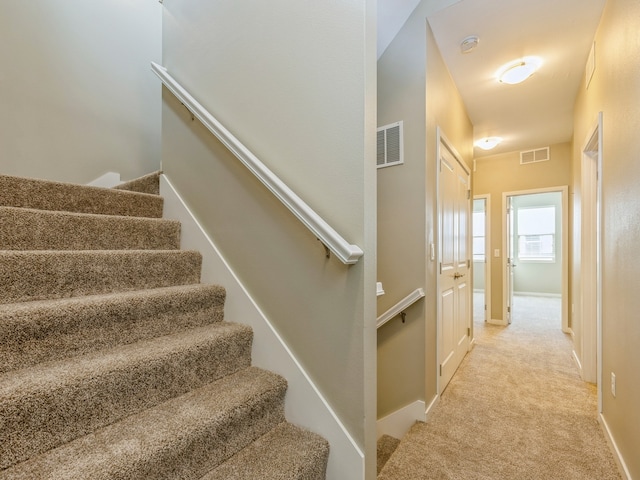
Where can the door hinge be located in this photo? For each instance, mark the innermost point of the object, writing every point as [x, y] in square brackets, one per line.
[468, 194]
[508, 309]
[440, 267]
[468, 263]
[440, 369]
[468, 331]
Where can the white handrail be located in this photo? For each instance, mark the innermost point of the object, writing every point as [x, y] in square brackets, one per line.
[347, 253]
[410, 299]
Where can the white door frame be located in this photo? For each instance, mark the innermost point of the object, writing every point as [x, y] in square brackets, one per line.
[564, 190]
[487, 253]
[590, 259]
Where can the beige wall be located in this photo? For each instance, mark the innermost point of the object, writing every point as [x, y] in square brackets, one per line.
[401, 218]
[295, 81]
[501, 173]
[414, 86]
[77, 92]
[615, 91]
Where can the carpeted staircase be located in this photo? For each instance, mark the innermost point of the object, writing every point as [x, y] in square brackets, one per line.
[115, 362]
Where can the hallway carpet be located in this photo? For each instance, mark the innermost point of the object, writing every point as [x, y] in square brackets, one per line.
[516, 408]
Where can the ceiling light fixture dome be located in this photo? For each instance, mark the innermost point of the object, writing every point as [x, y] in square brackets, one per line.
[488, 143]
[518, 71]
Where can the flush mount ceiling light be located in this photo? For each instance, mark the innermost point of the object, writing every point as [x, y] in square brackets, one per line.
[488, 143]
[518, 71]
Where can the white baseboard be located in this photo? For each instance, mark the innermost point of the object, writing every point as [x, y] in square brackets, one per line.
[622, 466]
[576, 359]
[431, 406]
[304, 405]
[494, 321]
[398, 423]
[108, 180]
[538, 294]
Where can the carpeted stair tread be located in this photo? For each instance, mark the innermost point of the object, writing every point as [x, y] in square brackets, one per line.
[46, 330]
[183, 438]
[385, 446]
[53, 403]
[51, 195]
[149, 183]
[47, 274]
[285, 453]
[115, 362]
[29, 229]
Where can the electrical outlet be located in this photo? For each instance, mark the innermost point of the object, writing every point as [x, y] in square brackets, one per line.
[613, 384]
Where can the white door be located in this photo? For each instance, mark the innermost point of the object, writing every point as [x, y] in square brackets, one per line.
[454, 286]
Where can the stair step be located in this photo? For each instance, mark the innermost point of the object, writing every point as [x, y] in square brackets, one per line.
[53, 403]
[149, 183]
[285, 453]
[182, 438]
[114, 360]
[39, 275]
[39, 331]
[68, 197]
[29, 229]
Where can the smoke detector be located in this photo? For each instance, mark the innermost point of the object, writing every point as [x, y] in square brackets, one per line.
[469, 44]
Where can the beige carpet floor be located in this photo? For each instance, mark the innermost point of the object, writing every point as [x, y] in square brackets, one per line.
[516, 409]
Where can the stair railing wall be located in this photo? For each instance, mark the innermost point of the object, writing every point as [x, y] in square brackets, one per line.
[399, 307]
[330, 238]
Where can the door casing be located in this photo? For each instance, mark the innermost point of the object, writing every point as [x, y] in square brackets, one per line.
[590, 313]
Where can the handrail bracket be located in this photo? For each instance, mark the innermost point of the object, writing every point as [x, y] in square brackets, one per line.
[327, 250]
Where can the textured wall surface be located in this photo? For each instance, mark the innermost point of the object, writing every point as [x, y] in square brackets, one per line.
[615, 91]
[77, 92]
[293, 81]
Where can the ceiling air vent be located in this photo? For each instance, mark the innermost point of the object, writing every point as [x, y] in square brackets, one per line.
[390, 149]
[533, 156]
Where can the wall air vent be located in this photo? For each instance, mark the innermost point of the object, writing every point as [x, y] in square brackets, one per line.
[534, 156]
[390, 145]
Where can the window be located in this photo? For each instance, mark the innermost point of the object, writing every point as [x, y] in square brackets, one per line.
[537, 234]
[478, 236]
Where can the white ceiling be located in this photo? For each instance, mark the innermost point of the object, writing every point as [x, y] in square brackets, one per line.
[536, 113]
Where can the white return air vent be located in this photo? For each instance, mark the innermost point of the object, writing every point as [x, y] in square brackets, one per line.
[390, 145]
[533, 156]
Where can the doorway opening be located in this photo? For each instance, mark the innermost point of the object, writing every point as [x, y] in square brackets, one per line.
[589, 321]
[536, 256]
[481, 258]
